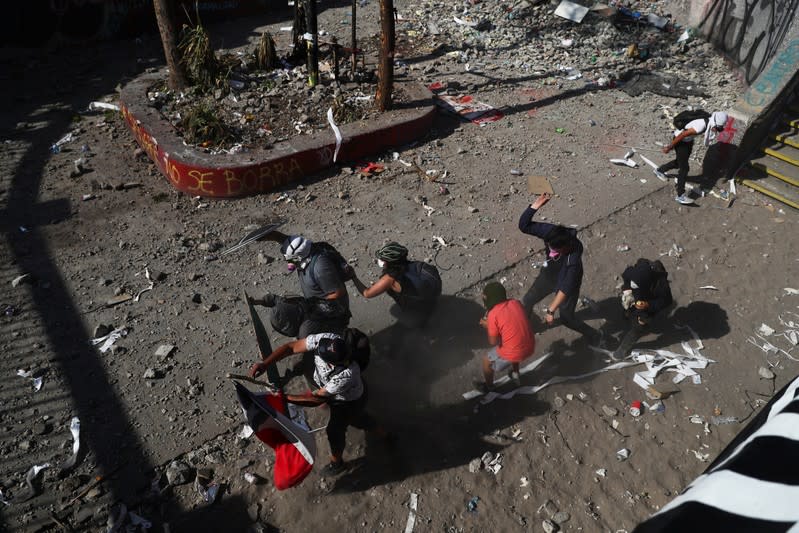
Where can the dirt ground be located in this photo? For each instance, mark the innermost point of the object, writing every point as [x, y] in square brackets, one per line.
[85, 238]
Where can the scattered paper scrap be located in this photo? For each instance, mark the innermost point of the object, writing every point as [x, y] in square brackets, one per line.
[469, 108]
[336, 132]
[412, 513]
[571, 11]
[709, 287]
[789, 290]
[109, 340]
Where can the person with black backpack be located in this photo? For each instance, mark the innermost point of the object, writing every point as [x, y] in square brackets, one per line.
[645, 293]
[688, 125]
[324, 305]
[339, 362]
[414, 285]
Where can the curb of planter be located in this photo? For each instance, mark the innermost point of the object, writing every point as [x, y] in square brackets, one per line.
[260, 170]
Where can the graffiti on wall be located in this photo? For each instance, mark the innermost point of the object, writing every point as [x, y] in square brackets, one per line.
[770, 83]
[749, 32]
[228, 182]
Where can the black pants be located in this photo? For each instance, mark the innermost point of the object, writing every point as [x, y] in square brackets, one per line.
[544, 285]
[682, 152]
[343, 415]
[634, 332]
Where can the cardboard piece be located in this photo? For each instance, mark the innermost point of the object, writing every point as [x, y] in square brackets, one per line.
[469, 108]
[539, 185]
[571, 11]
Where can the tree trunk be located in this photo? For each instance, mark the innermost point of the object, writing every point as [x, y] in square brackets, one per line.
[385, 70]
[313, 46]
[166, 25]
[354, 41]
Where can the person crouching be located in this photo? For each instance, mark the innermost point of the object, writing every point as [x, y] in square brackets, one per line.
[509, 332]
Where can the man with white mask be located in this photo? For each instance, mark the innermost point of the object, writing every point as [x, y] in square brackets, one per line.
[688, 125]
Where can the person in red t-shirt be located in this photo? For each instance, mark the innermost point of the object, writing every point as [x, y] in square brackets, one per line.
[509, 332]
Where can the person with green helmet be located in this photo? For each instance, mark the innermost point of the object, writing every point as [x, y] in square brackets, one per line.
[414, 285]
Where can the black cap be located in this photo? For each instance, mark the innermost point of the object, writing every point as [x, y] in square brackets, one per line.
[332, 351]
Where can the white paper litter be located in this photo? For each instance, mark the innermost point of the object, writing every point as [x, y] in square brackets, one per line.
[109, 339]
[571, 11]
[491, 396]
[765, 330]
[628, 162]
[704, 457]
[709, 287]
[246, 432]
[789, 290]
[148, 288]
[412, 513]
[103, 105]
[684, 365]
[3, 499]
[648, 162]
[28, 374]
[336, 132]
[74, 428]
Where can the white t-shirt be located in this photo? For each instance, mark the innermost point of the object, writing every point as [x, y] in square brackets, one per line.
[697, 125]
[343, 385]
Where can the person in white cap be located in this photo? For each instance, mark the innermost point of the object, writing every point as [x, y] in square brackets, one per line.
[689, 124]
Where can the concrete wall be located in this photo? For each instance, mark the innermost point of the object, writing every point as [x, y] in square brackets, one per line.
[761, 40]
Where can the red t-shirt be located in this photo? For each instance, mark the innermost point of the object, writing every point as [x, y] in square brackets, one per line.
[508, 321]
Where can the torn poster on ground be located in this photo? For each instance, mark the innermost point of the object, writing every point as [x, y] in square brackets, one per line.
[469, 108]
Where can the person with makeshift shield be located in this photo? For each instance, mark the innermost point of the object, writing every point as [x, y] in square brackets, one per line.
[338, 383]
[562, 273]
[509, 332]
[645, 293]
[324, 305]
[688, 124]
[414, 285]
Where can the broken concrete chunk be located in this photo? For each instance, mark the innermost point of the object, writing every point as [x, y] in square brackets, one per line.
[765, 373]
[179, 473]
[164, 351]
[610, 411]
[549, 526]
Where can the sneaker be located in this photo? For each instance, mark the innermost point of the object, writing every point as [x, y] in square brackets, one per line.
[515, 378]
[661, 176]
[483, 387]
[684, 200]
[334, 468]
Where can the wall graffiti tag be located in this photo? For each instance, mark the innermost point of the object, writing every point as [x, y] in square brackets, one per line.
[749, 32]
[226, 182]
[770, 83]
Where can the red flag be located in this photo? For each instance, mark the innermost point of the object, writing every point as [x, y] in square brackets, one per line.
[294, 446]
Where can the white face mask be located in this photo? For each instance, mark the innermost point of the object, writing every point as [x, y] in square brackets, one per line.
[381, 263]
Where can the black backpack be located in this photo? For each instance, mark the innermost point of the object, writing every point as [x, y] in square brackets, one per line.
[335, 257]
[425, 279]
[683, 118]
[359, 347]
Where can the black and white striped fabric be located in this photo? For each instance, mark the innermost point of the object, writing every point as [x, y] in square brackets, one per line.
[753, 485]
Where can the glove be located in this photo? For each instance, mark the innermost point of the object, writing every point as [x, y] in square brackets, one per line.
[627, 299]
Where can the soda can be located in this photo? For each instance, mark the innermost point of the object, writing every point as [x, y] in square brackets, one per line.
[635, 408]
